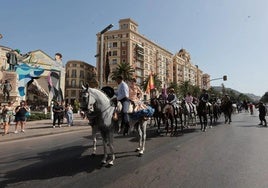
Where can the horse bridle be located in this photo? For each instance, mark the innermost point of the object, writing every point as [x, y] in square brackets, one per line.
[88, 99]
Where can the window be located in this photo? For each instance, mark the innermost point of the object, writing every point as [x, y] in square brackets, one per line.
[73, 83]
[82, 74]
[74, 65]
[73, 74]
[114, 61]
[123, 60]
[123, 52]
[114, 44]
[114, 53]
[124, 26]
[124, 44]
[110, 45]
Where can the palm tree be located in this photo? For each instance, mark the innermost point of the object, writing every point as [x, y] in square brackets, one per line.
[123, 69]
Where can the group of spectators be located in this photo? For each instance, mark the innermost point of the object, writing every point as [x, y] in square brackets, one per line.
[60, 111]
[9, 113]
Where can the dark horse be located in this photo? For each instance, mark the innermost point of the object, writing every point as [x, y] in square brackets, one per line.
[202, 111]
[157, 105]
[227, 109]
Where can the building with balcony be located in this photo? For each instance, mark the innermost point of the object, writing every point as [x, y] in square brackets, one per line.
[185, 70]
[127, 45]
[78, 73]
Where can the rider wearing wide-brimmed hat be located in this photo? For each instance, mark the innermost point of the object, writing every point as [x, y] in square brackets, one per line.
[172, 99]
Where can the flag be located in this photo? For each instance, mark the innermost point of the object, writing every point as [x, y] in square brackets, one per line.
[150, 84]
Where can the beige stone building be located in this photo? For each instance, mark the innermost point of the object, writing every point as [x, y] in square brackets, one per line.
[185, 70]
[127, 45]
[78, 73]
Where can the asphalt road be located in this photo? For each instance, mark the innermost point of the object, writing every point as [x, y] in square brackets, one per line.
[225, 156]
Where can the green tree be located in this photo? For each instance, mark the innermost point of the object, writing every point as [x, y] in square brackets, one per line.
[123, 69]
[184, 88]
[175, 86]
[264, 98]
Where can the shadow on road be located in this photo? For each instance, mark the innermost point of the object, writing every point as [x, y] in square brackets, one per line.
[57, 163]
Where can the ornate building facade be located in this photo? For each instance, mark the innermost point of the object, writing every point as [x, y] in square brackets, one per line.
[127, 45]
[78, 73]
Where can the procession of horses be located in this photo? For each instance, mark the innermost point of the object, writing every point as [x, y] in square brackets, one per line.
[103, 113]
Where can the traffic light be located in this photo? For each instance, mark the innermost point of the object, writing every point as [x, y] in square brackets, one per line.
[224, 78]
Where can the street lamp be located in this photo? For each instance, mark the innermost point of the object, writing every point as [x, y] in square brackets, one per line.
[101, 52]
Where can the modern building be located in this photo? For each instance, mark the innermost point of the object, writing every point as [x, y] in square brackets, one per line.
[78, 73]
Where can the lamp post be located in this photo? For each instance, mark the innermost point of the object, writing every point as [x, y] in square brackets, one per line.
[101, 52]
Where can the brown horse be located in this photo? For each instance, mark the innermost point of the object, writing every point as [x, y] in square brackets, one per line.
[170, 116]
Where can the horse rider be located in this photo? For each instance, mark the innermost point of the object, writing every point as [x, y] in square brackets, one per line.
[226, 100]
[204, 97]
[189, 101]
[172, 99]
[123, 97]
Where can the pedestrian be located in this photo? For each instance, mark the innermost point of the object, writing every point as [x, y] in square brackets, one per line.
[45, 111]
[8, 116]
[123, 97]
[57, 113]
[63, 113]
[69, 114]
[20, 116]
[262, 114]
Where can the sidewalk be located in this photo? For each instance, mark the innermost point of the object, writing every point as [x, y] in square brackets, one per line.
[43, 128]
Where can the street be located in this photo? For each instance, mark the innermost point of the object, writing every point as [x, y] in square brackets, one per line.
[232, 155]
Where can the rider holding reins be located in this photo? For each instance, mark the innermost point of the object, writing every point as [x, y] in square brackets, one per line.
[172, 99]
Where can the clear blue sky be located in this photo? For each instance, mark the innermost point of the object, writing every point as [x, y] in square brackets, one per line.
[224, 37]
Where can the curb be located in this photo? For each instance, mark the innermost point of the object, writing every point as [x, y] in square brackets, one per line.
[28, 136]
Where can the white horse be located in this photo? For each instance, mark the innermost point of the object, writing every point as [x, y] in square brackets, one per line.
[189, 113]
[94, 100]
[141, 125]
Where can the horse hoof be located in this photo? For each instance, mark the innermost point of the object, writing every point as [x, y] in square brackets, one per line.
[111, 163]
[140, 153]
[103, 162]
[137, 149]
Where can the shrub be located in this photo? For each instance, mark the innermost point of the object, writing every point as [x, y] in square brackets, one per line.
[38, 116]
